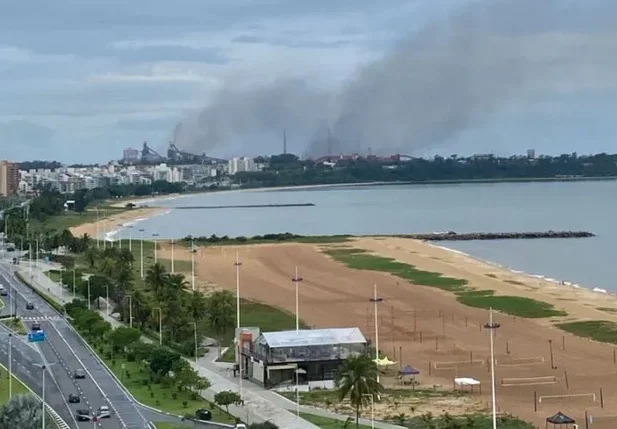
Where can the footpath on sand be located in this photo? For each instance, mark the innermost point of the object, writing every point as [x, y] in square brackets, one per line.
[256, 407]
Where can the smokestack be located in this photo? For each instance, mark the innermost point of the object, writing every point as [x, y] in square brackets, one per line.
[284, 141]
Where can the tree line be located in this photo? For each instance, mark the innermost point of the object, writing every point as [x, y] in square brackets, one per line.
[288, 170]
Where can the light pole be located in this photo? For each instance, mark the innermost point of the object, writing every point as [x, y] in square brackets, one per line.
[237, 264]
[195, 330]
[142, 252]
[89, 299]
[43, 369]
[372, 409]
[98, 240]
[73, 283]
[375, 300]
[10, 364]
[107, 299]
[120, 236]
[492, 327]
[156, 258]
[297, 279]
[173, 270]
[193, 264]
[160, 325]
[130, 311]
[30, 255]
[130, 227]
[62, 279]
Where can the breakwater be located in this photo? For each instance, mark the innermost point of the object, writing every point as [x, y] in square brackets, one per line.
[245, 206]
[453, 236]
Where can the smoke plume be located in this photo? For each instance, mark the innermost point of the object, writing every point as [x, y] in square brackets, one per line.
[447, 78]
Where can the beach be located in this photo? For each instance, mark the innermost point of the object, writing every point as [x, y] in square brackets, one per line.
[109, 224]
[426, 327]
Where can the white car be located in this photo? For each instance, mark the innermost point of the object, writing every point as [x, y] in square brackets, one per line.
[240, 426]
[103, 412]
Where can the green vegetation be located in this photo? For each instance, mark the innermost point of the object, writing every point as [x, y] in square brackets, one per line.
[607, 309]
[598, 330]
[288, 170]
[24, 411]
[517, 306]
[267, 239]
[46, 297]
[15, 324]
[18, 386]
[155, 375]
[329, 423]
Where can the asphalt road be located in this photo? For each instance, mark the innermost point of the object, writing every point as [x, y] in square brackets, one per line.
[63, 352]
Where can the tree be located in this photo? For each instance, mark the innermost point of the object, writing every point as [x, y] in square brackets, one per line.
[357, 379]
[24, 412]
[121, 337]
[226, 398]
[221, 313]
[162, 360]
[156, 277]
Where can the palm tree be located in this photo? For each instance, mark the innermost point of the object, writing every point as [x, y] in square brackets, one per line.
[156, 277]
[357, 379]
[24, 412]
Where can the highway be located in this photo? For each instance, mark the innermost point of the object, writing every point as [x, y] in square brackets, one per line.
[63, 352]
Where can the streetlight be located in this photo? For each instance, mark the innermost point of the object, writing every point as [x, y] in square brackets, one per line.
[142, 252]
[73, 283]
[492, 327]
[10, 364]
[173, 271]
[237, 264]
[372, 409]
[193, 250]
[195, 326]
[130, 311]
[156, 259]
[160, 325]
[120, 236]
[296, 279]
[130, 227]
[30, 255]
[375, 300]
[89, 299]
[43, 369]
[62, 279]
[107, 299]
[97, 228]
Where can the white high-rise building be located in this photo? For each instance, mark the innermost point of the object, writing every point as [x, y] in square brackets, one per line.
[238, 164]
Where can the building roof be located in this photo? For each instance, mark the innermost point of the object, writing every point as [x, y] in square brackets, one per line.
[314, 337]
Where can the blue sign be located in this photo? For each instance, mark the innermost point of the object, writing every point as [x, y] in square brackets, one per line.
[37, 336]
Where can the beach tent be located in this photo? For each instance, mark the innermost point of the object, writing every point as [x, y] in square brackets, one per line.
[559, 420]
[464, 382]
[409, 371]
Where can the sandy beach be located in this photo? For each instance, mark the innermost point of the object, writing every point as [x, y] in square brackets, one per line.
[428, 328]
[110, 222]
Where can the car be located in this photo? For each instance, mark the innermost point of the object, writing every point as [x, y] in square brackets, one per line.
[83, 416]
[36, 326]
[103, 412]
[203, 414]
[3, 292]
[74, 399]
[240, 426]
[79, 373]
[29, 306]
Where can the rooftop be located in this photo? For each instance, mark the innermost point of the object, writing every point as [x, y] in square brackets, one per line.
[314, 337]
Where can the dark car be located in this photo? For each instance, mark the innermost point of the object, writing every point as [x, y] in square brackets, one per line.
[29, 306]
[74, 399]
[36, 326]
[83, 416]
[79, 373]
[3, 292]
[203, 414]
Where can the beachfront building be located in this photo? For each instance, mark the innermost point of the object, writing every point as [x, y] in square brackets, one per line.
[274, 358]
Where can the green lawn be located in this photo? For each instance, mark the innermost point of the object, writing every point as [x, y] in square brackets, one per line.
[16, 325]
[269, 239]
[18, 386]
[165, 425]
[54, 275]
[598, 330]
[516, 306]
[327, 422]
[136, 379]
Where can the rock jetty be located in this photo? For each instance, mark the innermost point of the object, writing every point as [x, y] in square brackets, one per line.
[453, 236]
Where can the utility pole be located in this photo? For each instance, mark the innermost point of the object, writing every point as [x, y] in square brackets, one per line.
[492, 327]
[375, 300]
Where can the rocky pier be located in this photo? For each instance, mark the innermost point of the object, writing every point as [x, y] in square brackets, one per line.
[453, 236]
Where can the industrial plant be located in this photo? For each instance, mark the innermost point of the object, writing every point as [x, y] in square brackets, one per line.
[147, 155]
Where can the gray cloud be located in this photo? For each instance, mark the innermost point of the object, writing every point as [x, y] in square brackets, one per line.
[450, 77]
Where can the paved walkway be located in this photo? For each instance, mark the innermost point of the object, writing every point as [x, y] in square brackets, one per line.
[256, 407]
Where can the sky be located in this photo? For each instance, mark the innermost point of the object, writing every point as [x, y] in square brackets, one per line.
[82, 80]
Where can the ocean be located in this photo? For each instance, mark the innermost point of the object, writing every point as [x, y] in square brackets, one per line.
[404, 209]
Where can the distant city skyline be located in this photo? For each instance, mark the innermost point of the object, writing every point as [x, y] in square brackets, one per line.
[82, 81]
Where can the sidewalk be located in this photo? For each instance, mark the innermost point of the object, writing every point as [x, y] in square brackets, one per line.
[257, 408]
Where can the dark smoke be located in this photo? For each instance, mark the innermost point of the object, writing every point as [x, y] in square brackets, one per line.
[449, 77]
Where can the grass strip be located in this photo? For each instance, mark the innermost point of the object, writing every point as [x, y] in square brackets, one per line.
[328, 422]
[58, 307]
[360, 259]
[598, 330]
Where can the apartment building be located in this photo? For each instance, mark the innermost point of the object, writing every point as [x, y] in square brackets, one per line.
[9, 178]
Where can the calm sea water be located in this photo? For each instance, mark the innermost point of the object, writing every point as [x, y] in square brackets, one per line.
[502, 207]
